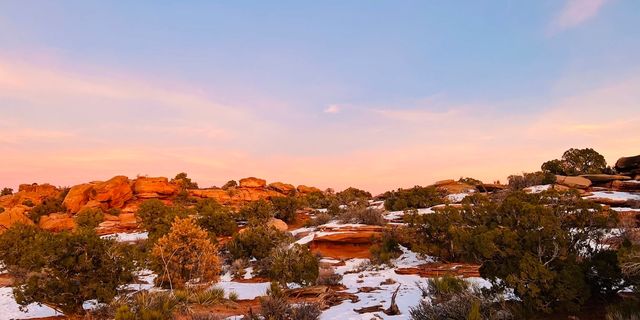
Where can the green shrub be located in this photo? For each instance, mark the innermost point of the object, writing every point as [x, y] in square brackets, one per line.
[576, 162]
[319, 199]
[257, 212]
[351, 194]
[443, 288]
[63, 269]
[319, 219]
[233, 296]
[456, 300]
[537, 245]
[147, 305]
[230, 184]
[198, 296]
[519, 182]
[157, 217]
[215, 218]
[48, 206]
[6, 191]
[414, 198]
[285, 208]
[28, 203]
[361, 213]
[256, 242]
[295, 264]
[386, 248]
[89, 218]
[276, 306]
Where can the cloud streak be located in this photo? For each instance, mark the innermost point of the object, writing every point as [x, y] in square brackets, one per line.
[575, 13]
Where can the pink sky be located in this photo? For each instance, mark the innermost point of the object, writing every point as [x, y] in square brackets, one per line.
[81, 125]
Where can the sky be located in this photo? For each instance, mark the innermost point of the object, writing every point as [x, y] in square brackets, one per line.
[371, 94]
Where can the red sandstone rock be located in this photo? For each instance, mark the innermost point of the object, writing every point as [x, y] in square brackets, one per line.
[145, 187]
[281, 187]
[57, 222]
[77, 197]
[573, 182]
[115, 191]
[305, 189]
[252, 182]
[12, 216]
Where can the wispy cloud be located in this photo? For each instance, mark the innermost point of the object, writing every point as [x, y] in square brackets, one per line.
[574, 13]
[333, 109]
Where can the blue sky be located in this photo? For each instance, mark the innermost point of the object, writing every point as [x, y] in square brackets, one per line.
[390, 92]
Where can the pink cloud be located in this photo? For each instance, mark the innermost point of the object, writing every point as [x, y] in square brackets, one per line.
[576, 12]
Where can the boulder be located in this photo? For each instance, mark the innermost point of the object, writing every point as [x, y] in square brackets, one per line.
[628, 164]
[282, 187]
[278, 224]
[452, 186]
[491, 187]
[12, 216]
[604, 177]
[252, 182]
[115, 191]
[305, 189]
[57, 222]
[632, 185]
[235, 197]
[145, 187]
[573, 182]
[78, 197]
[34, 193]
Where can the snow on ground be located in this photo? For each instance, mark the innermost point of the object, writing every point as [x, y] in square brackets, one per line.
[127, 237]
[9, 308]
[624, 209]
[458, 197]
[409, 294]
[146, 278]
[614, 195]
[537, 189]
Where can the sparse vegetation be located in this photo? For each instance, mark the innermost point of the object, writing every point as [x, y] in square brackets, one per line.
[157, 217]
[385, 248]
[256, 242]
[89, 218]
[530, 243]
[64, 269]
[576, 162]
[351, 194]
[361, 213]
[185, 254]
[215, 218]
[519, 182]
[276, 306]
[295, 264]
[286, 207]
[257, 212]
[6, 191]
[414, 198]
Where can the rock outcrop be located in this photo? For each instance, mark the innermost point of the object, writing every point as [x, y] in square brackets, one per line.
[283, 188]
[158, 187]
[115, 191]
[573, 182]
[77, 197]
[34, 193]
[306, 189]
[595, 178]
[451, 186]
[252, 182]
[57, 222]
[12, 216]
[628, 165]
